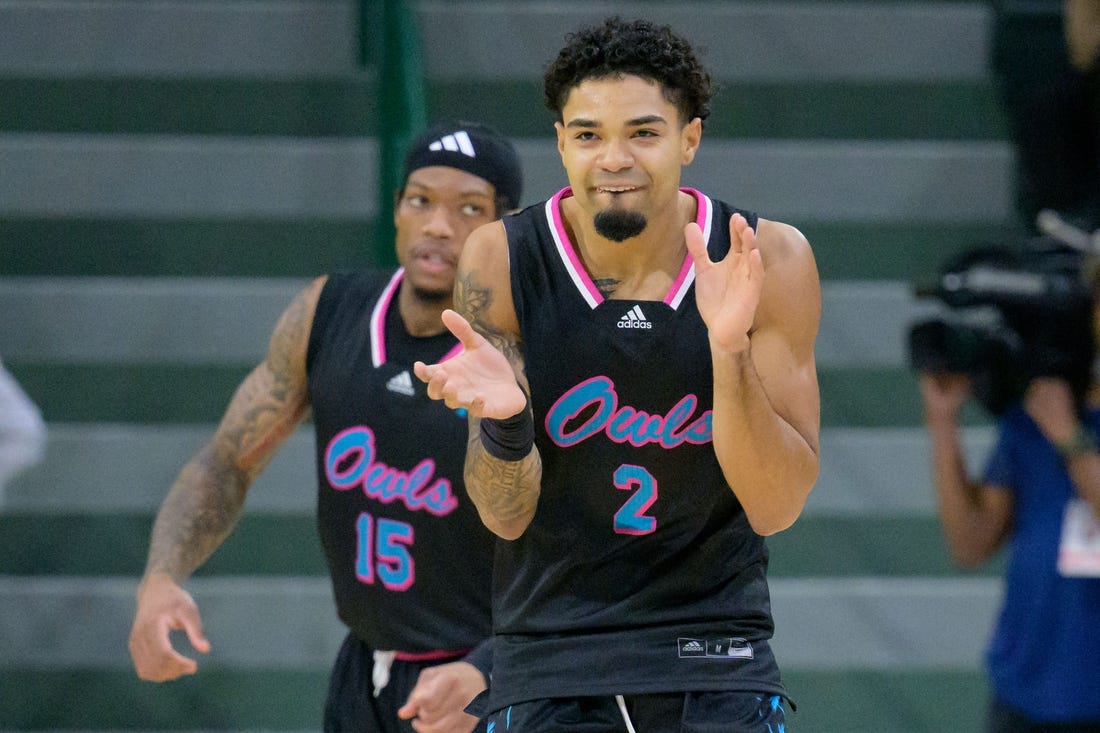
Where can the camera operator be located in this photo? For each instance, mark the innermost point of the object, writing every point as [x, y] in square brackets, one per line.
[1040, 496]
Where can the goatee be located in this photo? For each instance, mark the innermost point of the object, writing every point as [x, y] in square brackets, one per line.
[431, 296]
[619, 225]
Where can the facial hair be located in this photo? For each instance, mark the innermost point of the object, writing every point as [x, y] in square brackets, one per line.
[431, 296]
[618, 224]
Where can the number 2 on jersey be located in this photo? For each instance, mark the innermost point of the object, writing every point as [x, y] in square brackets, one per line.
[383, 552]
[631, 518]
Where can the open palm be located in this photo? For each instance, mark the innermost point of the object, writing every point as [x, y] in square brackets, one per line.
[480, 379]
[727, 292]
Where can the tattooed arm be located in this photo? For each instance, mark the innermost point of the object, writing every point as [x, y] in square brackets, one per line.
[488, 380]
[206, 500]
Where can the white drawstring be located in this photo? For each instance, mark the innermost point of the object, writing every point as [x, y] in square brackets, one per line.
[626, 716]
[380, 675]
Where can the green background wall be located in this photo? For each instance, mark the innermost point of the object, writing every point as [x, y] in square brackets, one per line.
[171, 173]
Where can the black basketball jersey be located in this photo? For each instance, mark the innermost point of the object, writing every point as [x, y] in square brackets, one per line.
[409, 558]
[639, 572]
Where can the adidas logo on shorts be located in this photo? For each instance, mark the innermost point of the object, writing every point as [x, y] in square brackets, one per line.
[634, 318]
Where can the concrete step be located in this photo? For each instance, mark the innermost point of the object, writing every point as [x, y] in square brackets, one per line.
[776, 41]
[898, 546]
[143, 176]
[346, 106]
[264, 701]
[44, 622]
[227, 321]
[161, 394]
[125, 469]
[307, 247]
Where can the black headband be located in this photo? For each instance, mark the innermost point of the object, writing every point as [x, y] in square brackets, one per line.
[473, 148]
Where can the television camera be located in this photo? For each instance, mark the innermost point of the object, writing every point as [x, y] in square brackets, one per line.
[1011, 312]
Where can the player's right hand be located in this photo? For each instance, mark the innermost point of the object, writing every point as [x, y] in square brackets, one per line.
[162, 607]
[480, 379]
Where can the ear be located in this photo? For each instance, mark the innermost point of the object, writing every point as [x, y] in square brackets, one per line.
[690, 137]
[559, 128]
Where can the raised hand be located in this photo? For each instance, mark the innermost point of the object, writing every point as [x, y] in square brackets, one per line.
[480, 379]
[728, 292]
[943, 394]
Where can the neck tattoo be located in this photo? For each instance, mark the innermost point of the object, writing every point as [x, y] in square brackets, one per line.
[606, 286]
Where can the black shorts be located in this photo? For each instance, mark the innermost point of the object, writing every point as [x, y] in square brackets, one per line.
[677, 712]
[351, 706]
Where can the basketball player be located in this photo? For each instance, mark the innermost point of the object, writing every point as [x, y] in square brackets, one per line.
[639, 370]
[409, 560]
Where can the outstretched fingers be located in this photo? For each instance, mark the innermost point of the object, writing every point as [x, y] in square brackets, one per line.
[455, 389]
[462, 330]
[742, 236]
[440, 384]
[697, 246]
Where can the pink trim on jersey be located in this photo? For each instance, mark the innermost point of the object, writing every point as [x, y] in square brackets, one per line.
[568, 252]
[704, 213]
[378, 323]
[430, 656]
[587, 288]
[378, 320]
[452, 353]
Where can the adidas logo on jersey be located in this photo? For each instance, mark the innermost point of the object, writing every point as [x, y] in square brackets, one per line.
[634, 318]
[692, 648]
[401, 384]
[459, 142]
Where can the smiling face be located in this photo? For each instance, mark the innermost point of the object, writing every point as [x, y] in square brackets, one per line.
[623, 147]
[436, 211]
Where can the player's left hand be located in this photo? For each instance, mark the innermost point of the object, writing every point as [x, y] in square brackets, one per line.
[728, 292]
[436, 703]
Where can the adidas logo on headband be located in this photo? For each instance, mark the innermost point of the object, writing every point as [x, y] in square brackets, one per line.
[458, 142]
[474, 148]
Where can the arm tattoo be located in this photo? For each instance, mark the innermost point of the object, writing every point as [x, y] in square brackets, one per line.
[473, 302]
[207, 499]
[279, 397]
[506, 490]
[196, 517]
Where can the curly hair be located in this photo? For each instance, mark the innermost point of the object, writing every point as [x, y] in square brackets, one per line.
[636, 47]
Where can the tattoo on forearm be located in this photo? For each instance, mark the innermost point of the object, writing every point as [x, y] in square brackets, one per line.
[507, 490]
[200, 511]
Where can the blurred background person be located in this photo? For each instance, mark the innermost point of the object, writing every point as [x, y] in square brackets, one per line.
[1044, 60]
[22, 431]
[1039, 497]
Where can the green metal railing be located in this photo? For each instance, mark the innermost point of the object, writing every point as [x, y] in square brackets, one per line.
[389, 41]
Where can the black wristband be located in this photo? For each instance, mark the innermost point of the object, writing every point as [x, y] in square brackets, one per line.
[509, 439]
